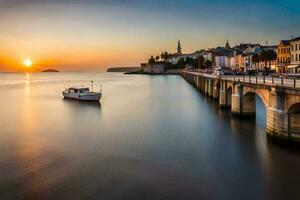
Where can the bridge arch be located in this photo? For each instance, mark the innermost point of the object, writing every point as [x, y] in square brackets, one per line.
[293, 119]
[248, 105]
[228, 85]
[294, 109]
[263, 95]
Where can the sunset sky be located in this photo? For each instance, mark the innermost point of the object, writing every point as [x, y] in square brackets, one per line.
[90, 35]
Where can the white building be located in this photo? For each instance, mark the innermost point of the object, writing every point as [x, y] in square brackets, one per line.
[222, 61]
[174, 60]
[248, 54]
[208, 56]
[295, 56]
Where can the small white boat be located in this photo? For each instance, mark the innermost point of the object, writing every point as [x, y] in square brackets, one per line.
[82, 94]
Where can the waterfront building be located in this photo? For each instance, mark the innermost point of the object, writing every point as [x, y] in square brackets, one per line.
[232, 61]
[295, 56]
[222, 56]
[208, 56]
[238, 58]
[175, 58]
[247, 58]
[248, 55]
[273, 62]
[239, 61]
[220, 61]
[143, 66]
[155, 68]
[283, 55]
[223, 60]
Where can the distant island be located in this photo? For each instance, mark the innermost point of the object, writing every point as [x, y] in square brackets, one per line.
[123, 69]
[50, 70]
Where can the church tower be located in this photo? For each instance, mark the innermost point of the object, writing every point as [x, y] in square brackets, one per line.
[227, 46]
[179, 51]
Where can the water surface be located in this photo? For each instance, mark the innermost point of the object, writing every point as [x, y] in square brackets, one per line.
[152, 137]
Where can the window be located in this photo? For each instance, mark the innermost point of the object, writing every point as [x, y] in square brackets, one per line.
[292, 47]
[292, 58]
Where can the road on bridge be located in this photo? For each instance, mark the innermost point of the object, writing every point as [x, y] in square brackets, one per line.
[264, 80]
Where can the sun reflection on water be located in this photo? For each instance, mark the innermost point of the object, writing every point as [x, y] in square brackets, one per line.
[27, 84]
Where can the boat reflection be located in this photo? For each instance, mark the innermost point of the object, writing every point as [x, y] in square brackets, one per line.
[83, 104]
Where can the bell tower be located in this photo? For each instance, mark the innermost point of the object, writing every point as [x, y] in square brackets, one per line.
[179, 51]
[227, 46]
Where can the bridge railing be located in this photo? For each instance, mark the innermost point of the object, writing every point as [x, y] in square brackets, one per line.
[267, 80]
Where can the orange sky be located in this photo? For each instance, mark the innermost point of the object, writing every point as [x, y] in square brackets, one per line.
[66, 55]
[71, 38]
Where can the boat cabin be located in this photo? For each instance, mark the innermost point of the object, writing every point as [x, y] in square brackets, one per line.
[79, 89]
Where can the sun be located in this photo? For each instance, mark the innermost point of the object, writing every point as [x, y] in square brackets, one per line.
[27, 62]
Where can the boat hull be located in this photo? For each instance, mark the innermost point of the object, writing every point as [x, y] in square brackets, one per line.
[93, 97]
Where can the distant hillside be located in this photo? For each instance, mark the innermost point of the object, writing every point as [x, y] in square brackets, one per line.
[50, 70]
[123, 69]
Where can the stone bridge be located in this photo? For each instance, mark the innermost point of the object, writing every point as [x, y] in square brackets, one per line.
[281, 98]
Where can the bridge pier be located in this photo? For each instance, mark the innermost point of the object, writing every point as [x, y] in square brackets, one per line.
[215, 93]
[282, 123]
[206, 87]
[202, 85]
[243, 105]
[224, 95]
[210, 87]
[216, 90]
[223, 98]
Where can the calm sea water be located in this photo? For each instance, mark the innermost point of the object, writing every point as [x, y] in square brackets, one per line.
[152, 137]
